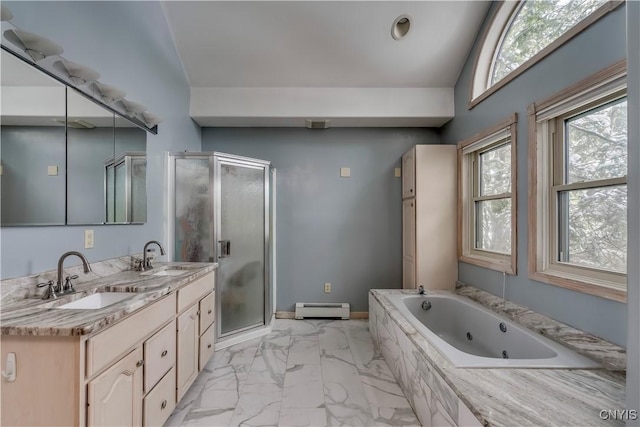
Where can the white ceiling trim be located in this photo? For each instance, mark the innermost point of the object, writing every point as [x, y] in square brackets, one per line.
[345, 107]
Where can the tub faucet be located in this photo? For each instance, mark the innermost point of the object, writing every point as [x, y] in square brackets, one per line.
[421, 290]
[67, 287]
[146, 263]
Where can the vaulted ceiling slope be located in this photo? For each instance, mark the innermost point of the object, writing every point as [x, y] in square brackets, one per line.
[277, 63]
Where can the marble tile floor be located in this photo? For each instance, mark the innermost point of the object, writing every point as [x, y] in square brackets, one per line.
[305, 373]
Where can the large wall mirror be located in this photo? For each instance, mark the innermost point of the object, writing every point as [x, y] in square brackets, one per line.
[32, 145]
[65, 159]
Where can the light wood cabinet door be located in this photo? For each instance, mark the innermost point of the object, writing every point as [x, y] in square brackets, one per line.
[188, 338]
[409, 174]
[115, 396]
[408, 243]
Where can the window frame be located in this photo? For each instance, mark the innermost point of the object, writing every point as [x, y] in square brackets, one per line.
[469, 151]
[546, 118]
[493, 36]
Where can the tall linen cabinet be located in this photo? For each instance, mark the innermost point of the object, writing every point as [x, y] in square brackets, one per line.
[429, 217]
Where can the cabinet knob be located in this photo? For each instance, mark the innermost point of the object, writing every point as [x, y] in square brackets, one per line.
[198, 313]
[210, 311]
[411, 190]
[163, 404]
[140, 363]
[209, 346]
[164, 353]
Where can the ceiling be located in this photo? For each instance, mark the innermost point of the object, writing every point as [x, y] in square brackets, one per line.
[321, 44]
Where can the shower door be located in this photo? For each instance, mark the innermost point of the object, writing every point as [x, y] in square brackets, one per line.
[221, 214]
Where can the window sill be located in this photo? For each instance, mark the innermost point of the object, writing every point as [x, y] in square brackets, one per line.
[504, 266]
[582, 284]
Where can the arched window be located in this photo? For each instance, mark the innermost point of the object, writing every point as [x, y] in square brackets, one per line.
[522, 33]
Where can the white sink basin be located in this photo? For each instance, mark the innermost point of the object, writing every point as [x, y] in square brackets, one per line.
[166, 271]
[96, 301]
[169, 273]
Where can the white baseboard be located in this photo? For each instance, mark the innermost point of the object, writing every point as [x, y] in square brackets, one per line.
[292, 315]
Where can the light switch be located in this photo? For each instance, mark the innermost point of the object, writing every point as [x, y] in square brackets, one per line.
[0, 170]
[398, 172]
[52, 170]
[345, 172]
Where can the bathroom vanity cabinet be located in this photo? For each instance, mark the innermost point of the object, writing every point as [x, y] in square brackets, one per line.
[429, 217]
[195, 331]
[131, 373]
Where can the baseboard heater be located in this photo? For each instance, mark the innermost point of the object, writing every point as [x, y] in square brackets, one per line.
[308, 309]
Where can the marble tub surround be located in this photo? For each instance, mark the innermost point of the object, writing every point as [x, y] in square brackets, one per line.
[34, 316]
[609, 355]
[442, 394]
[305, 373]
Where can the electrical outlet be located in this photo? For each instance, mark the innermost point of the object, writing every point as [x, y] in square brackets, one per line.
[327, 288]
[398, 172]
[88, 239]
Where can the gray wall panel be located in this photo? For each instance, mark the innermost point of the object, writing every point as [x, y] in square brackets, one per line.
[130, 44]
[346, 231]
[594, 49]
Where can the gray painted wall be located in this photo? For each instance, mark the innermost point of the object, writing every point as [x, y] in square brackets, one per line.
[130, 44]
[29, 194]
[346, 231]
[594, 49]
[633, 340]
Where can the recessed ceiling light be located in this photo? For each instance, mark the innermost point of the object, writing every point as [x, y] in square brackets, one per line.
[400, 27]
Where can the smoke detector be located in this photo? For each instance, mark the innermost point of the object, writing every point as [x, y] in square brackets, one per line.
[317, 124]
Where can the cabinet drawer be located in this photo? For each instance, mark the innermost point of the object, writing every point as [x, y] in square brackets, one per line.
[160, 402]
[195, 290]
[159, 355]
[207, 311]
[116, 340]
[206, 346]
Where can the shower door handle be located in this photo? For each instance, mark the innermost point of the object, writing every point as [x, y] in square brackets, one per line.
[225, 248]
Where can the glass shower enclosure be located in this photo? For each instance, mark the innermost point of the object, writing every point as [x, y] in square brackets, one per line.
[219, 212]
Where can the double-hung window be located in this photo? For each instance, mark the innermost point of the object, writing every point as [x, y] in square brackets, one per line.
[487, 198]
[578, 226]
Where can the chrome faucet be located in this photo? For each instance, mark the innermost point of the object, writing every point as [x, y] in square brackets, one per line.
[421, 290]
[146, 263]
[67, 286]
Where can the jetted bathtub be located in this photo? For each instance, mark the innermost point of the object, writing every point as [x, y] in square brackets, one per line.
[471, 336]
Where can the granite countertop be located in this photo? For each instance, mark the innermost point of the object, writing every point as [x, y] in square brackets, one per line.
[34, 316]
[522, 396]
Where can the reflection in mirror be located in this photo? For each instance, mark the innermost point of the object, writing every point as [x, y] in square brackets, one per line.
[127, 196]
[90, 143]
[32, 145]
